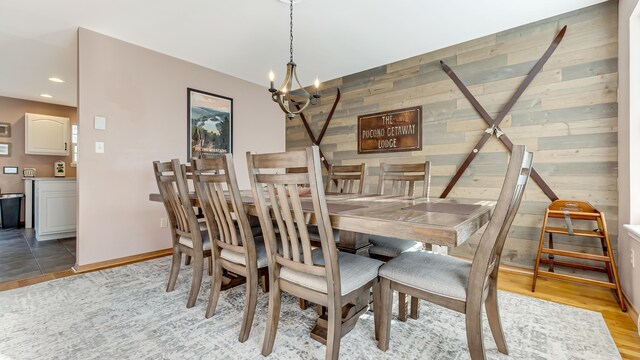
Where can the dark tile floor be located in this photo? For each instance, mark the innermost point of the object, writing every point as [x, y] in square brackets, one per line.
[22, 256]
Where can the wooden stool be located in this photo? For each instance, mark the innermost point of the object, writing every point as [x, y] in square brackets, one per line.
[570, 210]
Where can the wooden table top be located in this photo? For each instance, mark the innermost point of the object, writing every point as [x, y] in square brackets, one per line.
[445, 222]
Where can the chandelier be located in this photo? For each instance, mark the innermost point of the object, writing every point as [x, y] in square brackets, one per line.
[291, 101]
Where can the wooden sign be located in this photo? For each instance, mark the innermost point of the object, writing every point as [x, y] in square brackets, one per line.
[390, 131]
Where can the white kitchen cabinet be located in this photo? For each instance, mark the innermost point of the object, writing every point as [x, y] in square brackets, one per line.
[55, 208]
[46, 135]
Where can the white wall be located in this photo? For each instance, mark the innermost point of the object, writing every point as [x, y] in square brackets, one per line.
[143, 95]
[628, 144]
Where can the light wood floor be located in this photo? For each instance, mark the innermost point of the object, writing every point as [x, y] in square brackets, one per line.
[622, 328]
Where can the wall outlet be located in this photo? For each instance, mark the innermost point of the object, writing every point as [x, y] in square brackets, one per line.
[164, 222]
[633, 259]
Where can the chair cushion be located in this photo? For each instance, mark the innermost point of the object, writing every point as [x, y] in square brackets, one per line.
[238, 258]
[355, 271]
[206, 243]
[434, 273]
[391, 247]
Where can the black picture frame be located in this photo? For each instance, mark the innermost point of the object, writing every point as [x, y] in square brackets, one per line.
[209, 124]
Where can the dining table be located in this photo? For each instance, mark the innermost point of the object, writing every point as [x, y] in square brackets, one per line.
[443, 223]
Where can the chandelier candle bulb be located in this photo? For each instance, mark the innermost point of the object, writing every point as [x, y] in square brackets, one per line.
[272, 77]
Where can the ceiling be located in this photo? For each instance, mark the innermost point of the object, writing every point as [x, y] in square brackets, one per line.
[246, 38]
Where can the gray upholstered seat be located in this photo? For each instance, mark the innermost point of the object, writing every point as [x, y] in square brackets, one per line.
[206, 243]
[355, 271]
[391, 247]
[238, 258]
[435, 273]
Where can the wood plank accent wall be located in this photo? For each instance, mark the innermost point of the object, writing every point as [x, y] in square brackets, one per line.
[567, 117]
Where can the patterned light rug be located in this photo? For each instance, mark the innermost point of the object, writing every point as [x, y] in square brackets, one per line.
[124, 313]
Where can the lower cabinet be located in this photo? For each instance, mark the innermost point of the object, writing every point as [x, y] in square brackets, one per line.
[55, 209]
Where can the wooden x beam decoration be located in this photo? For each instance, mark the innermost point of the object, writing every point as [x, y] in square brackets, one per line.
[314, 140]
[494, 123]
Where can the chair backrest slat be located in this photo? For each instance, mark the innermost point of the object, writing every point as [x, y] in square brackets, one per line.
[346, 179]
[403, 178]
[282, 202]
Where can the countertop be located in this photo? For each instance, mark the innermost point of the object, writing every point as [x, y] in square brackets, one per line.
[52, 178]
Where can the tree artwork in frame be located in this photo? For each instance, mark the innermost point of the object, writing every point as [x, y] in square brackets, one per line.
[210, 124]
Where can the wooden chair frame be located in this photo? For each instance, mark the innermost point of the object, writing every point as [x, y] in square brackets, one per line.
[343, 178]
[483, 277]
[186, 168]
[172, 184]
[403, 179]
[230, 229]
[285, 207]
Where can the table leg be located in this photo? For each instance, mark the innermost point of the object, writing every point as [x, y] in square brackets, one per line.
[354, 243]
[350, 314]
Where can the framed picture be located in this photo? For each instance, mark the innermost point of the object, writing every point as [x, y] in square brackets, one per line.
[5, 149]
[5, 130]
[210, 126]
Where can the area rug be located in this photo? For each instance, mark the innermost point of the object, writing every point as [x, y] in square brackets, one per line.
[125, 313]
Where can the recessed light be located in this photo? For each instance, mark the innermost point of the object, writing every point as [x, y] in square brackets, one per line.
[56, 80]
[46, 96]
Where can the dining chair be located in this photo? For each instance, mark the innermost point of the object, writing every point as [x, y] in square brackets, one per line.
[458, 284]
[343, 179]
[186, 169]
[346, 179]
[323, 275]
[234, 248]
[188, 235]
[401, 180]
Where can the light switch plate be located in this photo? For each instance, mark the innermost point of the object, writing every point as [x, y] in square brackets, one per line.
[9, 169]
[100, 123]
[99, 147]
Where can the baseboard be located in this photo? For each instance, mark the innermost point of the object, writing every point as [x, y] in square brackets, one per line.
[122, 261]
[633, 313]
[516, 270]
[14, 284]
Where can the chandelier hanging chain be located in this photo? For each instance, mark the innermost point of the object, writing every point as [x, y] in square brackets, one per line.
[292, 93]
[291, 31]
